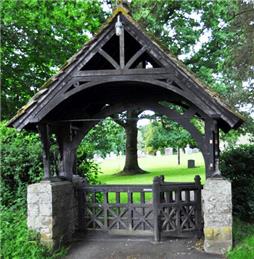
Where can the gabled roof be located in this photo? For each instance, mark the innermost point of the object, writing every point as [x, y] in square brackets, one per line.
[54, 86]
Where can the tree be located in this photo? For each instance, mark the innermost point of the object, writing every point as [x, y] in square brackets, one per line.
[162, 133]
[38, 36]
[128, 120]
[105, 137]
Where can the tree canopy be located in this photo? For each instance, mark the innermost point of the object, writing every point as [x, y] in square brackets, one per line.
[163, 133]
[38, 36]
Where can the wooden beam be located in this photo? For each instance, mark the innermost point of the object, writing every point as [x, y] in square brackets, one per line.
[171, 114]
[135, 57]
[82, 87]
[113, 72]
[109, 58]
[122, 47]
[124, 76]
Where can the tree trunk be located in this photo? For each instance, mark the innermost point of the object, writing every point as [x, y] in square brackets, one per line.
[131, 166]
[178, 156]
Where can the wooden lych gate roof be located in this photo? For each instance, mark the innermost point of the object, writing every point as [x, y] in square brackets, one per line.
[121, 69]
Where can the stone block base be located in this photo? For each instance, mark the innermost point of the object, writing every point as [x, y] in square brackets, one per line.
[53, 211]
[218, 240]
[217, 209]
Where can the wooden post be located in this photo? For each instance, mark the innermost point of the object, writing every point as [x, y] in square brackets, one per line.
[81, 208]
[162, 198]
[105, 205]
[197, 197]
[217, 172]
[156, 207]
[178, 210]
[122, 54]
[67, 150]
[209, 148]
[130, 212]
[44, 136]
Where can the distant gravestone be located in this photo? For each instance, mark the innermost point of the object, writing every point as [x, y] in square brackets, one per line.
[168, 151]
[191, 163]
[188, 150]
[158, 153]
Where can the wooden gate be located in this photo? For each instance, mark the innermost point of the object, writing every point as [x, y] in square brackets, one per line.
[160, 209]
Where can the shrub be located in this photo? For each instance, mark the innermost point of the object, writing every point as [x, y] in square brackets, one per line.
[238, 165]
[86, 167]
[21, 163]
[19, 242]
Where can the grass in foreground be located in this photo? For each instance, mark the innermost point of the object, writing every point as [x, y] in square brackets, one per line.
[243, 234]
[18, 242]
[155, 166]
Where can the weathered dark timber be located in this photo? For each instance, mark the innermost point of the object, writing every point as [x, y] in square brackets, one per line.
[170, 210]
[43, 130]
[119, 72]
[156, 209]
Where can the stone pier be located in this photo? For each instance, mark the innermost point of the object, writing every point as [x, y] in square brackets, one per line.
[53, 211]
[217, 209]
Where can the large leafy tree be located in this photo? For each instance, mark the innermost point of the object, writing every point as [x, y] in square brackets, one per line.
[38, 36]
[213, 38]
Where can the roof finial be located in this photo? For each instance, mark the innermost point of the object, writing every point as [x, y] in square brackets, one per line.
[123, 3]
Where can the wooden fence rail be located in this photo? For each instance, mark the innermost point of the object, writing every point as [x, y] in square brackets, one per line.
[160, 209]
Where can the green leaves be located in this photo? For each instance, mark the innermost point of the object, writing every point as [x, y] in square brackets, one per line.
[166, 133]
[105, 137]
[237, 165]
[37, 38]
[19, 242]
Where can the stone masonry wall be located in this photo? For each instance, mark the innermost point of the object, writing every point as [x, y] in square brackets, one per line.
[53, 211]
[217, 209]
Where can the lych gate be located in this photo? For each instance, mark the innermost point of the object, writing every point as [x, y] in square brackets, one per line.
[123, 69]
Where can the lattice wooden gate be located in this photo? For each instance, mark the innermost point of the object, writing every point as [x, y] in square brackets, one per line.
[160, 209]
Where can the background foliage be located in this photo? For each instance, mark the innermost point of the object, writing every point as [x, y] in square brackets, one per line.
[107, 136]
[237, 165]
[21, 163]
[164, 133]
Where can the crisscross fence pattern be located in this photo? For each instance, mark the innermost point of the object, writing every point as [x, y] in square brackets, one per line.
[160, 209]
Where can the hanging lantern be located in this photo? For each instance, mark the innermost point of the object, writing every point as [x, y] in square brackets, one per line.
[118, 26]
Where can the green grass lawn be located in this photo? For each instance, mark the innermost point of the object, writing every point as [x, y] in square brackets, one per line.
[155, 166]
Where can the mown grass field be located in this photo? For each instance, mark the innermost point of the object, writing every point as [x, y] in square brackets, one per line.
[155, 166]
